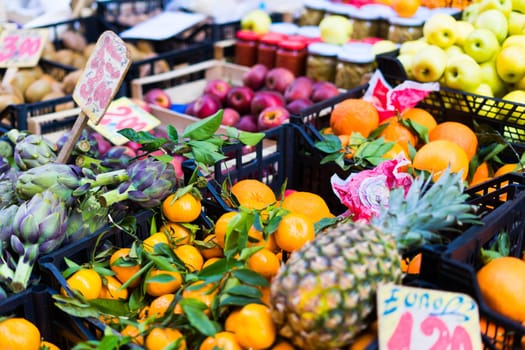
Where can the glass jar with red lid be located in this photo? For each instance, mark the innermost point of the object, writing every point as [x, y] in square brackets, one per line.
[267, 48]
[246, 48]
[292, 54]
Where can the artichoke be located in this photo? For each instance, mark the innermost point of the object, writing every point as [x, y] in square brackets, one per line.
[63, 179]
[6, 149]
[7, 188]
[4, 165]
[6, 230]
[31, 150]
[118, 157]
[150, 181]
[39, 226]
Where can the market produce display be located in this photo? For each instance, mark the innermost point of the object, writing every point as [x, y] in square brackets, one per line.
[212, 231]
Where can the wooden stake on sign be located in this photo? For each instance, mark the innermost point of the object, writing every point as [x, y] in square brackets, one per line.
[102, 76]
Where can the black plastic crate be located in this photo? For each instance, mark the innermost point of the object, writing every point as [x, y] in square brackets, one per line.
[286, 153]
[37, 305]
[453, 267]
[505, 117]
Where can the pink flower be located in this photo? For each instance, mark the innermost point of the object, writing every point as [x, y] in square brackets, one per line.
[365, 192]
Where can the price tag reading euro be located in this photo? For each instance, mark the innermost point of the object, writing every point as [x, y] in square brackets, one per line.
[423, 319]
[21, 47]
[122, 113]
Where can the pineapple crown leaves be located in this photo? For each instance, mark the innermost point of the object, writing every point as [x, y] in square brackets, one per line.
[426, 210]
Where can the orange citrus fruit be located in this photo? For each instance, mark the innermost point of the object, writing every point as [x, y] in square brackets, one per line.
[85, 281]
[394, 151]
[307, 203]
[154, 239]
[253, 194]
[134, 333]
[190, 256]
[222, 340]
[294, 231]
[354, 115]
[264, 262]
[45, 345]
[202, 291]
[507, 168]
[253, 327]
[124, 272]
[17, 333]
[436, 156]
[111, 289]
[256, 238]
[172, 280]
[213, 252]
[186, 208]
[481, 174]
[397, 132]
[458, 133]
[161, 338]
[421, 117]
[209, 262]
[414, 265]
[221, 226]
[178, 233]
[363, 341]
[160, 305]
[406, 8]
[508, 274]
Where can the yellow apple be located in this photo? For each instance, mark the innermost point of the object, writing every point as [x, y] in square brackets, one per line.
[336, 29]
[383, 46]
[462, 72]
[495, 21]
[517, 39]
[412, 47]
[490, 76]
[483, 104]
[463, 29]
[517, 96]
[429, 64]
[510, 63]
[516, 23]
[257, 20]
[406, 62]
[440, 30]
[454, 50]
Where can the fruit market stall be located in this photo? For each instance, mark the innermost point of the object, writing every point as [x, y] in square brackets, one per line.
[291, 193]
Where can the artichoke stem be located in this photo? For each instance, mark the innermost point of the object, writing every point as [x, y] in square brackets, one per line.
[23, 271]
[109, 178]
[85, 161]
[83, 146]
[6, 274]
[114, 196]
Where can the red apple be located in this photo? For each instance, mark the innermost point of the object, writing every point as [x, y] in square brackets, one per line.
[230, 117]
[271, 117]
[265, 98]
[190, 108]
[323, 90]
[296, 106]
[278, 79]
[158, 97]
[103, 145]
[206, 105]
[142, 104]
[300, 88]
[218, 88]
[176, 162]
[247, 123]
[240, 99]
[255, 77]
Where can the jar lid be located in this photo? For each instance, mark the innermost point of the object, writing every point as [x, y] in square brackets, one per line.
[357, 47]
[406, 21]
[272, 38]
[356, 57]
[324, 49]
[423, 12]
[365, 14]
[284, 28]
[247, 35]
[341, 9]
[292, 44]
[309, 31]
[448, 10]
[316, 4]
[383, 11]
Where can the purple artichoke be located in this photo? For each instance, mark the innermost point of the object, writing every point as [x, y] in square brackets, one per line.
[31, 150]
[6, 230]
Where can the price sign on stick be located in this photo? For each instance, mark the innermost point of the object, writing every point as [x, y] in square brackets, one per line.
[21, 47]
[123, 113]
[100, 80]
[420, 319]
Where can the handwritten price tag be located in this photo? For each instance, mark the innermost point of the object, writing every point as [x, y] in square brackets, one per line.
[121, 114]
[106, 67]
[416, 318]
[21, 47]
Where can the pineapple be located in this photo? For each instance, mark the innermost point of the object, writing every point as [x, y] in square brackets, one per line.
[325, 294]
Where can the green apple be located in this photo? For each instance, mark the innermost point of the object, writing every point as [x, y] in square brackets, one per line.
[510, 63]
[505, 6]
[481, 44]
[383, 46]
[429, 64]
[517, 39]
[257, 20]
[495, 21]
[454, 50]
[412, 47]
[336, 29]
[440, 30]
[463, 29]
[406, 62]
[462, 73]
[518, 5]
[516, 23]
[490, 76]
[471, 12]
